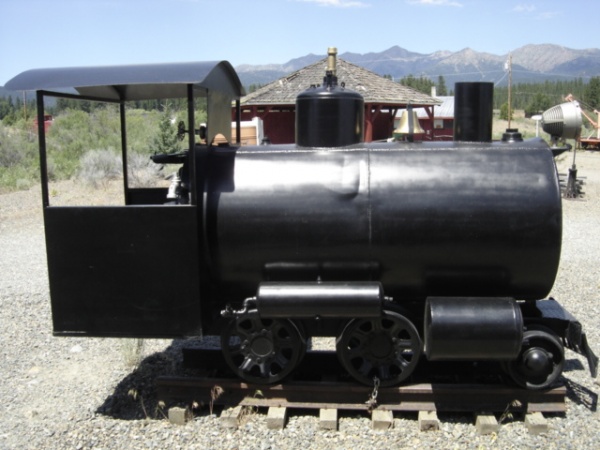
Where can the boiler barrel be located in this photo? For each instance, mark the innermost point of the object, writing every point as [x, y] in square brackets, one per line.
[430, 219]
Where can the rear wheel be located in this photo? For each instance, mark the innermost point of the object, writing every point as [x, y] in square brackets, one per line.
[262, 350]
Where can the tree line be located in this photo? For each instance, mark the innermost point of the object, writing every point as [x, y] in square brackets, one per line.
[14, 109]
[533, 98]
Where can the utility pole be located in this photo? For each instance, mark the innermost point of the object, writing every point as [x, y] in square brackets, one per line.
[24, 106]
[509, 87]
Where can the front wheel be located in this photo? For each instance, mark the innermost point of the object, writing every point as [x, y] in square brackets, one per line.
[540, 362]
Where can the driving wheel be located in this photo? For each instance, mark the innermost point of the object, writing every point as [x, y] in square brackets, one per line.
[262, 350]
[386, 347]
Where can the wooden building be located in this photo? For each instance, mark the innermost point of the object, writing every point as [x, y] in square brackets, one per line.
[275, 103]
[440, 126]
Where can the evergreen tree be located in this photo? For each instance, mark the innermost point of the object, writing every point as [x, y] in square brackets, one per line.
[6, 107]
[441, 86]
[254, 87]
[165, 140]
[421, 84]
[592, 93]
[538, 104]
[504, 112]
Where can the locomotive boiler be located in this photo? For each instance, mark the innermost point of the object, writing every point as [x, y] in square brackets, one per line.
[400, 250]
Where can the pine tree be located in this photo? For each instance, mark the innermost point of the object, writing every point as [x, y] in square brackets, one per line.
[539, 104]
[504, 112]
[592, 93]
[165, 140]
[441, 86]
[421, 84]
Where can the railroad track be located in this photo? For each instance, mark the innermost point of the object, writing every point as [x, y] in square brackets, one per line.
[473, 391]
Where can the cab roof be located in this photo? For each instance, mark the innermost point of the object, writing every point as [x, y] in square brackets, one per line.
[134, 82]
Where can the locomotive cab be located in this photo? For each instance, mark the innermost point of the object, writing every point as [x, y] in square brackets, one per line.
[133, 270]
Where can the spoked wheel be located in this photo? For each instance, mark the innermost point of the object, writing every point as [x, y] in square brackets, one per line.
[262, 350]
[540, 361]
[387, 347]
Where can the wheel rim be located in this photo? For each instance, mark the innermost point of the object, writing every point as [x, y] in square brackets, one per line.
[540, 361]
[387, 347]
[262, 350]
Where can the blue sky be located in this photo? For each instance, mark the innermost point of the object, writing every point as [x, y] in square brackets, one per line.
[61, 33]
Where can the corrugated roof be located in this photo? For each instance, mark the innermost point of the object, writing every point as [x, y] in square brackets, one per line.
[374, 88]
[443, 111]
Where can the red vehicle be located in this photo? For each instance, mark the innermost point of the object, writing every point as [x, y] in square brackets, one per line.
[48, 119]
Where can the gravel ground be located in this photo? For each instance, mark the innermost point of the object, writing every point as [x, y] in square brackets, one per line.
[73, 393]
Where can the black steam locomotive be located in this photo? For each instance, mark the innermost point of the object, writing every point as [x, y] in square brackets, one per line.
[401, 250]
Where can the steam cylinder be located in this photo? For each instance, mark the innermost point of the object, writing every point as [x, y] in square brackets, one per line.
[472, 328]
[424, 219]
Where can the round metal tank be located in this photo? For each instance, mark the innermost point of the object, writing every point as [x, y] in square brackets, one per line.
[472, 328]
[428, 219]
[329, 116]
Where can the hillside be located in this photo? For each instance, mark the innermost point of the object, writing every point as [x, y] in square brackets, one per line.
[531, 63]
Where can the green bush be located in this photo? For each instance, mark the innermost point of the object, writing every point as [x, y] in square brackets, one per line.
[18, 156]
[141, 127]
[86, 144]
[75, 132]
[17, 178]
[98, 167]
[143, 172]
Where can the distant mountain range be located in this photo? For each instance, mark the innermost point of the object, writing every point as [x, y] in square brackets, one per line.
[531, 64]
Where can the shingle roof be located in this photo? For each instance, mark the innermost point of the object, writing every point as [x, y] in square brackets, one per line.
[374, 88]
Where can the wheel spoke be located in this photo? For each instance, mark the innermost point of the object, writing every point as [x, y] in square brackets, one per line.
[365, 366]
[281, 360]
[247, 365]
[384, 373]
[402, 362]
[404, 344]
[376, 326]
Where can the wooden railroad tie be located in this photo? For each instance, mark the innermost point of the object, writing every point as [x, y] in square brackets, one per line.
[331, 397]
[428, 421]
[536, 423]
[486, 423]
[328, 418]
